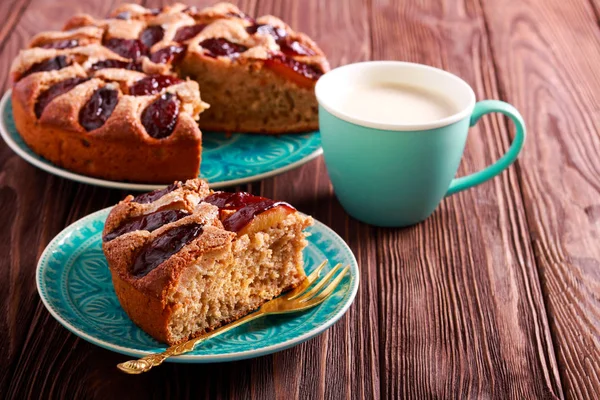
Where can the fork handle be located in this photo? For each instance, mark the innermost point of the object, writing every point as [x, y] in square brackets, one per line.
[146, 363]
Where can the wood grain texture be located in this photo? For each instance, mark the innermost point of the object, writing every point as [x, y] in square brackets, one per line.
[596, 7]
[462, 310]
[456, 307]
[11, 10]
[552, 77]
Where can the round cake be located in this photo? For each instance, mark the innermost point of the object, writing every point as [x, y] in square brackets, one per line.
[119, 98]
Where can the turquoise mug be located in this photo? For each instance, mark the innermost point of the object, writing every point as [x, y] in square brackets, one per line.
[397, 174]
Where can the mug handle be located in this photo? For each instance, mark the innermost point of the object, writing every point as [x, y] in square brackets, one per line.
[482, 108]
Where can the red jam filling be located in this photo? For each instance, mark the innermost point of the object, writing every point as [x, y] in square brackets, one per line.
[246, 206]
[149, 197]
[222, 48]
[54, 91]
[167, 54]
[152, 84]
[288, 45]
[160, 117]
[163, 247]
[246, 214]
[232, 201]
[187, 32]
[304, 74]
[128, 48]
[98, 108]
[51, 64]
[130, 65]
[152, 35]
[149, 222]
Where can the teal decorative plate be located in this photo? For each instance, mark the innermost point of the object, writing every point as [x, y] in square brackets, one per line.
[74, 283]
[226, 161]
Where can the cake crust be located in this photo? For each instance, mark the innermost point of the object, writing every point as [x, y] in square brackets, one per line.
[119, 150]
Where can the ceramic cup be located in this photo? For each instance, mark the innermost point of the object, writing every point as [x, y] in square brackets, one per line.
[396, 174]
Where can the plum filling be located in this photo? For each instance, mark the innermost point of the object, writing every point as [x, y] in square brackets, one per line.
[163, 247]
[222, 47]
[246, 206]
[304, 74]
[286, 43]
[149, 197]
[51, 64]
[152, 84]
[246, 214]
[98, 108]
[187, 32]
[149, 222]
[54, 91]
[130, 65]
[61, 44]
[232, 201]
[151, 35]
[160, 117]
[167, 54]
[128, 48]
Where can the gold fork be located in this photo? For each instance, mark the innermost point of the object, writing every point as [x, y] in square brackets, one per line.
[300, 299]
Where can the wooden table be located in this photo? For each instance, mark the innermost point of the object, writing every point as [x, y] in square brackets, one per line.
[497, 295]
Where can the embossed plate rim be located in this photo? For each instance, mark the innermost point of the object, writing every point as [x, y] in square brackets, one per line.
[75, 226]
[53, 169]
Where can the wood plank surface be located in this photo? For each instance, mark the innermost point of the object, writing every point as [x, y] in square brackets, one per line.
[472, 303]
[11, 10]
[463, 314]
[596, 7]
[547, 56]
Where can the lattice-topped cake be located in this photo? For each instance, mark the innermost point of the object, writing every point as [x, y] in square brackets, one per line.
[185, 260]
[119, 98]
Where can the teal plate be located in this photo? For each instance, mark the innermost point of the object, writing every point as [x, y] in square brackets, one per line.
[74, 283]
[226, 161]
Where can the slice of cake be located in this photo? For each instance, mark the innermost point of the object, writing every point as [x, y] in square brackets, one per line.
[185, 260]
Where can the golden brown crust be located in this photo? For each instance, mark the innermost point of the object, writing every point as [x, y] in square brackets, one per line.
[117, 151]
[145, 311]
